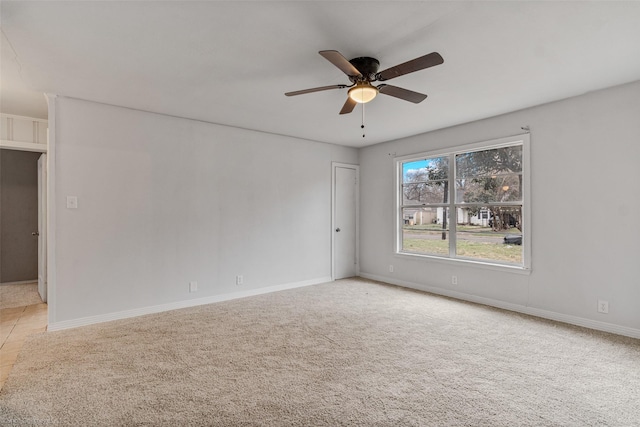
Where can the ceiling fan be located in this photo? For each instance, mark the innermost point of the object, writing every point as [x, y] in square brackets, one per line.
[364, 70]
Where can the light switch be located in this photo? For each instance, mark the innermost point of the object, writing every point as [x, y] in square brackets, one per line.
[72, 202]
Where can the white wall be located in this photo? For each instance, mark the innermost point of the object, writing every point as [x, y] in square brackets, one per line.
[585, 154]
[163, 201]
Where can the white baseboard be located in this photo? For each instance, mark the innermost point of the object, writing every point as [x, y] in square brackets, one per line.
[545, 314]
[74, 323]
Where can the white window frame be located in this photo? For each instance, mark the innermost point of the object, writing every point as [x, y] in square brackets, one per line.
[524, 140]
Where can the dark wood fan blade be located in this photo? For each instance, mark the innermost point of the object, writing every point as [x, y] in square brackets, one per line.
[348, 106]
[398, 92]
[417, 64]
[340, 61]
[315, 89]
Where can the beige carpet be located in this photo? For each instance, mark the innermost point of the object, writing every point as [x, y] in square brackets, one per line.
[351, 352]
[19, 295]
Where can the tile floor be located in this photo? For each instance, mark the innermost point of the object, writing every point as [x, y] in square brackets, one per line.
[16, 324]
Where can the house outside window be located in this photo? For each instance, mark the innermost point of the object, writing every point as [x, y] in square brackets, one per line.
[468, 203]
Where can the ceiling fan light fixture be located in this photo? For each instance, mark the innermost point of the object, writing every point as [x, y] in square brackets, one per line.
[363, 92]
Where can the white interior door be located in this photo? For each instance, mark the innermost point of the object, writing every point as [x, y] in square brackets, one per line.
[345, 202]
[42, 227]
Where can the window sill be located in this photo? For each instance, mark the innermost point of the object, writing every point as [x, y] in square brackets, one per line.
[516, 269]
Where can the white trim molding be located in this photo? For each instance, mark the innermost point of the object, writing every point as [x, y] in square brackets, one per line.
[34, 142]
[51, 208]
[23, 146]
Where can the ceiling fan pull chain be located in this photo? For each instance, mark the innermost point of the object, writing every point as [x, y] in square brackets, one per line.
[362, 126]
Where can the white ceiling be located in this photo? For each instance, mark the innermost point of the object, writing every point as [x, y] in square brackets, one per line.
[232, 62]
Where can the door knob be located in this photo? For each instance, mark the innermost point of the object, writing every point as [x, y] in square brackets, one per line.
[337, 230]
[35, 233]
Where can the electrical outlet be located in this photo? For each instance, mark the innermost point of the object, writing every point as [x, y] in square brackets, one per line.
[72, 202]
[239, 280]
[603, 306]
[454, 280]
[193, 286]
[390, 268]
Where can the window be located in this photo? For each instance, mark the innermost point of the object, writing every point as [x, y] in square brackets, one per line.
[468, 203]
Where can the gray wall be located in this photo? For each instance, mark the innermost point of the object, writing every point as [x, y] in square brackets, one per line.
[18, 215]
[164, 201]
[585, 202]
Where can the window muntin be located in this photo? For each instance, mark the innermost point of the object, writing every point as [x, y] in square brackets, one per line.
[479, 218]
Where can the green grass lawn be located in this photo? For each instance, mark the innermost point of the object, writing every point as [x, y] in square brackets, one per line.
[475, 229]
[476, 250]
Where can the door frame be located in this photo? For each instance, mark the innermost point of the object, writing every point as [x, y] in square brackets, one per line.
[334, 166]
[42, 226]
[42, 202]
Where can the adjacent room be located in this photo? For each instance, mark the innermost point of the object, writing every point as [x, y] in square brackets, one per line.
[320, 213]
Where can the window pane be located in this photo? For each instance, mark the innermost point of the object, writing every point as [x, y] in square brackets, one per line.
[490, 233]
[503, 188]
[425, 231]
[487, 176]
[425, 192]
[425, 181]
[487, 163]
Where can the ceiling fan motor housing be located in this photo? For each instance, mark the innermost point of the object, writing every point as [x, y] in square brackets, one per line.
[367, 66]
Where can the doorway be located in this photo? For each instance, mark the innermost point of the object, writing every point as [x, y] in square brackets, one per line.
[23, 225]
[344, 224]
